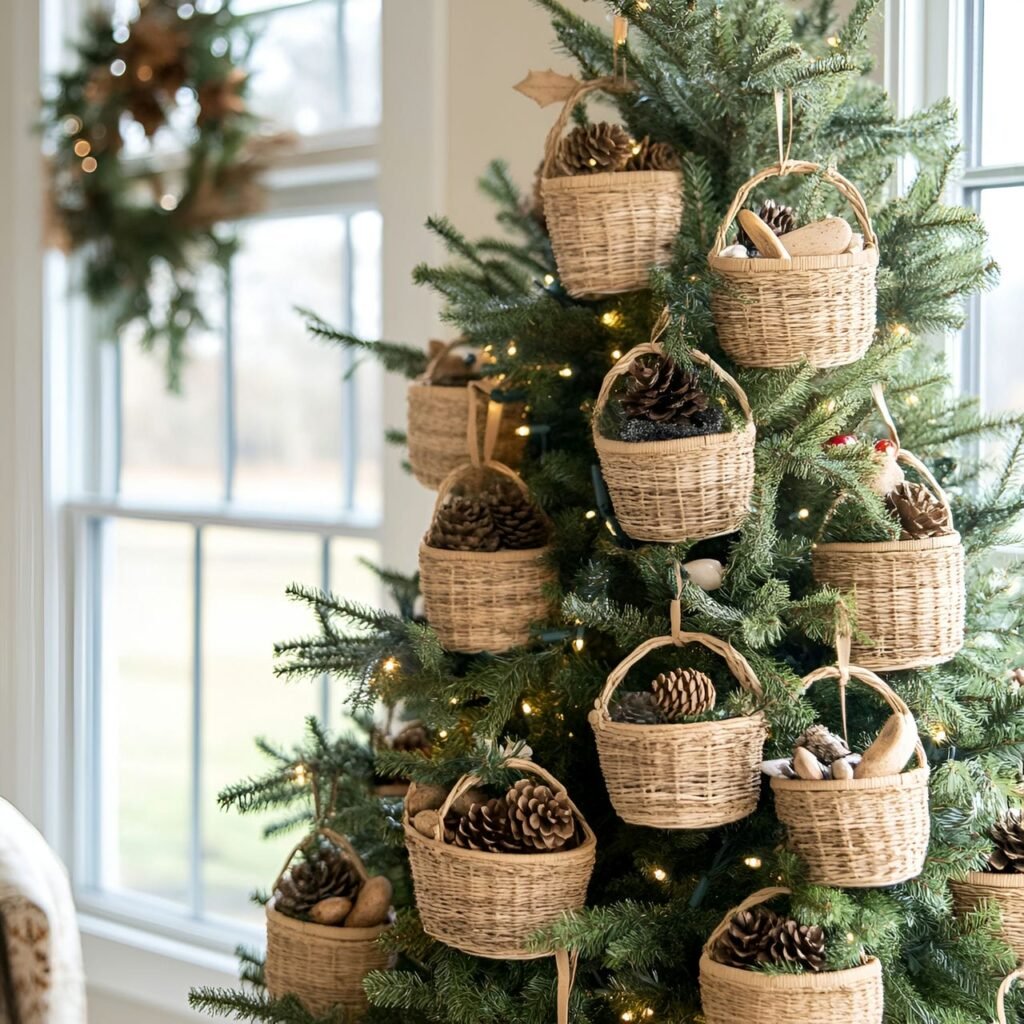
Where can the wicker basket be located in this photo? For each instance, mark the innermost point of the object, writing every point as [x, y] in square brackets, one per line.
[608, 230]
[491, 904]
[821, 309]
[446, 430]
[322, 966]
[1004, 989]
[688, 489]
[483, 601]
[1007, 891]
[698, 775]
[731, 994]
[858, 833]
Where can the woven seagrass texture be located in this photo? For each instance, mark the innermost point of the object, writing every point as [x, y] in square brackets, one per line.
[1005, 890]
[688, 489]
[490, 904]
[858, 833]
[608, 230]
[731, 995]
[772, 313]
[698, 775]
[483, 601]
[1004, 988]
[322, 965]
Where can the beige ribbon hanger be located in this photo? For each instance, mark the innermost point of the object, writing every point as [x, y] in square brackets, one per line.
[476, 390]
[620, 33]
[785, 141]
[566, 963]
[844, 643]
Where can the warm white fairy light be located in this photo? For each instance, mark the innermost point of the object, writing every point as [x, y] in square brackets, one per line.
[803, 513]
[549, 280]
[89, 164]
[613, 318]
[900, 330]
[118, 68]
[523, 431]
[578, 644]
[299, 775]
[565, 371]
[851, 938]
[443, 734]
[660, 874]
[512, 349]
[833, 41]
[527, 708]
[83, 147]
[616, 354]
[168, 202]
[590, 514]
[940, 735]
[752, 862]
[390, 666]
[627, 1016]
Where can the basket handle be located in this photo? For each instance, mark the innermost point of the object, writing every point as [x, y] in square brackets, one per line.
[335, 837]
[1004, 988]
[430, 373]
[467, 782]
[459, 472]
[844, 187]
[754, 900]
[607, 84]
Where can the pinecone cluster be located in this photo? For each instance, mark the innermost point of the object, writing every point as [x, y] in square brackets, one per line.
[325, 872]
[1008, 836]
[683, 693]
[604, 148]
[919, 512]
[759, 936]
[781, 219]
[663, 401]
[502, 518]
[530, 818]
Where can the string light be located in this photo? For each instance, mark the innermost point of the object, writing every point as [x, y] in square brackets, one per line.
[72, 126]
[590, 514]
[565, 371]
[144, 73]
[627, 1016]
[900, 330]
[752, 862]
[648, 1013]
[660, 874]
[549, 280]
[833, 41]
[613, 318]
[831, 405]
[443, 734]
[803, 513]
[527, 708]
[851, 938]
[523, 431]
[89, 164]
[82, 147]
[940, 735]
[121, 34]
[299, 775]
[168, 202]
[118, 67]
[913, 400]
[512, 350]
[616, 355]
[578, 644]
[390, 666]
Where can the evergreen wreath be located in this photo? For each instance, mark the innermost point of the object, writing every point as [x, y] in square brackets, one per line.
[140, 221]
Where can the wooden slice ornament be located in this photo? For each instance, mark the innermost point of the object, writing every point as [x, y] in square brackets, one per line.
[769, 245]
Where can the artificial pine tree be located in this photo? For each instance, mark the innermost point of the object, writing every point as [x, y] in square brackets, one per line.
[705, 73]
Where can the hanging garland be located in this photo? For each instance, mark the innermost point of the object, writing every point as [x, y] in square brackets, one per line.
[147, 225]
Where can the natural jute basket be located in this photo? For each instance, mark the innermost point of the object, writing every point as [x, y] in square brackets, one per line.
[858, 833]
[698, 775]
[446, 428]
[772, 312]
[731, 994]
[1004, 990]
[323, 966]
[483, 601]
[607, 230]
[491, 904]
[687, 489]
[1007, 891]
[909, 594]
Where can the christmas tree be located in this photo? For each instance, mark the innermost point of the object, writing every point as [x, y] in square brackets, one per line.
[736, 571]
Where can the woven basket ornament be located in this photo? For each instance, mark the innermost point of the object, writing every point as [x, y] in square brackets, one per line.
[480, 601]
[1006, 891]
[492, 904]
[909, 594]
[686, 489]
[857, 833]
[731, 994]
[322, 966]
[607, 230]
[777, 312]
[1004, 990]
[695, 775]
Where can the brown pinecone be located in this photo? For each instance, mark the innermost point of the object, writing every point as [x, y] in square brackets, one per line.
[795, 943]
[593, 149]
[413, 737]
[745, 942]
[1008, 835]
[826, 746]
[535, 207]
[326, 871]
[920, 513]
[652, 156]
[1017, 676]
[683, 693]
[540, 818]
[663, 392]
[483, 827]
[781, 219]
[464, 524]
[516, 518]
[637, 708]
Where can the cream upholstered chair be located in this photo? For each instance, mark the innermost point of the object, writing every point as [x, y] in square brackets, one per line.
[41, 976]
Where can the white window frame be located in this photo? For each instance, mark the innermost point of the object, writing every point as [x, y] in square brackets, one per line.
[39, 701]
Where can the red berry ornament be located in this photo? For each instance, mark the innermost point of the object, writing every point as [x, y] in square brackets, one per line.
[885, 446]
[841, 441]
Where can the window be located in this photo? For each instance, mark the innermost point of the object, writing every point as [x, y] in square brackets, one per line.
[190, 514]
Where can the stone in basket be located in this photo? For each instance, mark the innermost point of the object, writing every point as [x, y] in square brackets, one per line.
[688, 488]
[445, 425]
[324, 965]
[483, 563]
[737, 994]
[491, 903]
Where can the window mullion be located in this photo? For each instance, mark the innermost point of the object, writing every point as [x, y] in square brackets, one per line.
[230, 414]
[325, 585]
[349, 409]
[196, 795]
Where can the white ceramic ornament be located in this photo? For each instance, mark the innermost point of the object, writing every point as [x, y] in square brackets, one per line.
[707, 573]
[767, 243]
[890, 473]
[735, 252]
[828, 237]
[892, 749]
[806, 765]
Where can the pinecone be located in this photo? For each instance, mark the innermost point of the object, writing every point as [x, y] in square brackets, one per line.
[1008, 835]
[652, 156]
[1016, 677]
[515, 517]
[464, 524]
[663, 392]
[483, 827]
[637, 708]
[781, 219]
[683, 693]
[413, 737]
[795, 943]
[326, 871]
[920, 513]
[593, 149]
[824, 745]
[540, 818]
[745, 942]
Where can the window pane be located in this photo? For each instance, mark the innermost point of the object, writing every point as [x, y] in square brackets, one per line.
[1002, 209]
[245, 610]
[1001, 139]
[146, 707]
